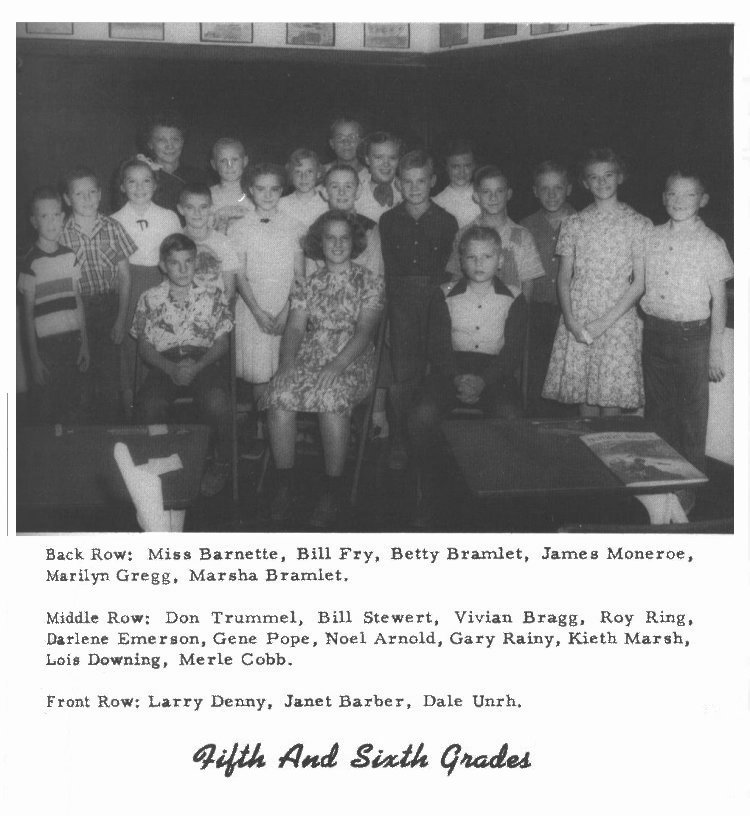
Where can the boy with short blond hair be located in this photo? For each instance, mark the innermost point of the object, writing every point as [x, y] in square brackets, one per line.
[684, 315]
[54, 319]
[102, 247]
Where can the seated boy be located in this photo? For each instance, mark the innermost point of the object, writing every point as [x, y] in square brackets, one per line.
[182, 331]
[520, 259]
[551, 188]
[216, 262]
[416, 237]
[458, 197]
[54, 320]
[102, 247]
[684, 316]
[476, 340]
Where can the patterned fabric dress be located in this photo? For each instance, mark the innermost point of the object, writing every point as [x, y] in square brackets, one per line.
[333, 302]
[604, 246]
[271, 244]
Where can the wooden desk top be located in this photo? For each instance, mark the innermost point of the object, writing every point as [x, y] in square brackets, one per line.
[77, 467]
[536, 457]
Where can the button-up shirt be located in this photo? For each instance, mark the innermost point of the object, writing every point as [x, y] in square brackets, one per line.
[680, 266]
[417, 247]
[98, 253]
[545, 237]
[478, 322]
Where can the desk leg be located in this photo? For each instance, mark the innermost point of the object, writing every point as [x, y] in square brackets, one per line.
[663, 508]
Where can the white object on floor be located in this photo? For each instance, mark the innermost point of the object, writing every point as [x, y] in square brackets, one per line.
[146, 493]
[663, 508]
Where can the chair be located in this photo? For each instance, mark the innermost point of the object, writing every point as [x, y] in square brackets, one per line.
[364, 427]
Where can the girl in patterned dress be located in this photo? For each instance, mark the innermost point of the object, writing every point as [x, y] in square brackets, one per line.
[268, 243]
[327, 362]
[596, 356]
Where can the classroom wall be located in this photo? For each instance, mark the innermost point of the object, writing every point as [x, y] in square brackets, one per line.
[661, 94]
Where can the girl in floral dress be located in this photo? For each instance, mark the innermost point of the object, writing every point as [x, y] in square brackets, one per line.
[596, 356]
[327, 360]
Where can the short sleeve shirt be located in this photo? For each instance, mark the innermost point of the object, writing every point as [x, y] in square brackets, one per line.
[167, 323]
[52, 281]
[304, 211]
[367, 205]
[459, 202]
[148, 231]
[478, 322]
[216, 255]
[681, 264]
[98, 253]
[545, 237]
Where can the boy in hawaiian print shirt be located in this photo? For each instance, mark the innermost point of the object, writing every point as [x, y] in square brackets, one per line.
[183, 332]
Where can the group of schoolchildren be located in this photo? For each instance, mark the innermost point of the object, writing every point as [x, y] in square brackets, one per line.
[124, 313]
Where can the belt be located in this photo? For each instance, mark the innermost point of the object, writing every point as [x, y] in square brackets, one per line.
[659, 324]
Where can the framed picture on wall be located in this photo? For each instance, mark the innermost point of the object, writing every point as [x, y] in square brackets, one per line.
[136, 31]
[227, 32]
[453, 34]
[61, 29]
[493, 30]
[548, 28]
[386, 35]
[321, 34]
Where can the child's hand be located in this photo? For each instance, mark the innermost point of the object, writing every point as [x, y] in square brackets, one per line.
[188, 371]
[595, 329]
[716, 369]
[117, 335]
[329, 374]
[39, 371]
[283, 377]
[84, 358]
[279, 323]
[578, 330]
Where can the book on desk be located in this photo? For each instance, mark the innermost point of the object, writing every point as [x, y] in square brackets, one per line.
[642, 459]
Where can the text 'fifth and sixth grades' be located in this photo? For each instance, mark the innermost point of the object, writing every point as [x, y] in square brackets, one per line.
[97, 566]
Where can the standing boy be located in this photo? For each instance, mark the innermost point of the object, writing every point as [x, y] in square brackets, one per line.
[345, 140]
[551, 188]
[684, 309]
[417, 236]
[379, 193]
[54, 319]
[182, 331]
[102, 248]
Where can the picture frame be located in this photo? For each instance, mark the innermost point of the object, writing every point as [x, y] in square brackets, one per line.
[136, 31]
[387, 35]
[453, 34]
[494, 30]
[227, 32]
[548, 28]
[321, 35]
[57, 29]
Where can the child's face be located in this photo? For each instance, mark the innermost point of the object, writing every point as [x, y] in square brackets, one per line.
[304, 176]
[345, 141]
[552, 190]
[480, 260]
[342, 188]
[196, 210]
[416, 183]
[337, 242]
[266, 192]
[382, 159]
[83, 197]
[47, 219]
[602, 179]
[179, 267]
[139, 185]
[460, 169]
[493, 196]
[229, 161]
[683, 198]
[166, 144]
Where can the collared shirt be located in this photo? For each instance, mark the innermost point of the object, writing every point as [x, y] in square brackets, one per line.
[459, 202]
[478, 322]
[417, 247]
[147, 230]
[545, 237]
[51, 280]
[519, 259]
[367, 205]
[168, 324]
[215, 256]
[98, 253]
[680, 266]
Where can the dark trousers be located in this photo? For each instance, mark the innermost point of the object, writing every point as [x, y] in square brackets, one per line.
[102, 380]
[60, 398]
[208, 389]
[675, 375]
